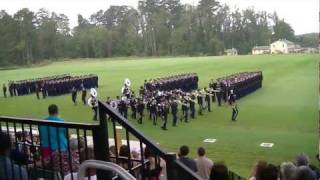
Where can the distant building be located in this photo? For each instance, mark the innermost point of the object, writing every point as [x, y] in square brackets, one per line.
[231, 52]
[283, 46]
[261, 50]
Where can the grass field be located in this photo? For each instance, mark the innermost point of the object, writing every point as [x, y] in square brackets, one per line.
[284, 111]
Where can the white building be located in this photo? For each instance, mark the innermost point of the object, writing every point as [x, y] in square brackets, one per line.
[231, 52]
[261, 50]
[283, 46]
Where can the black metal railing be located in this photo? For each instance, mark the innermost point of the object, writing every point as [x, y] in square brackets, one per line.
[128, 148]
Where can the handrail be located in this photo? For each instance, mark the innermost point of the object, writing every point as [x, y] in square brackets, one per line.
[102, 165]
[124, 123]
[47, 122]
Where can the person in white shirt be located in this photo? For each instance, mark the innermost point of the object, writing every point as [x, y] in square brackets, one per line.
[204, 165]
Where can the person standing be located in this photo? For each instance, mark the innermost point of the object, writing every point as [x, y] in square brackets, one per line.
[153, 111]
[164, 114]
[208, 100]
[200, 102]
[52, 138]
[74, 95]
[140, 109]
[192, 102]
[37, 91]
[204, 164]
[84, 94]
[219, 96]
[185, 106]
[174, 111]
[235, 111]
[4, 88]
[133, 104]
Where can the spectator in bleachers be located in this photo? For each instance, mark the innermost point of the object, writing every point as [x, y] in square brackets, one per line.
[257, 170]
[52, 138]
[305, 173]
[153, 170]
[124, 154]
[303, 160]
[204, 164]
[270, 172]
[9, 170]
[219, 171]
[287, 171]
[91, 173]
[183, 157]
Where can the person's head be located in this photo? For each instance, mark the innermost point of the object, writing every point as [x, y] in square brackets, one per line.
[184, 150]
[86, 154]
[53, 110]
[271, 172]
[302, 160]
[124, 151]
[201, 151]
[304, 173]
[258, 168]
[219, 171]
[5, 144]
[287, 171]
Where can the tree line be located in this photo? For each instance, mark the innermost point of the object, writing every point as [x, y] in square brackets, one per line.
[155, 28]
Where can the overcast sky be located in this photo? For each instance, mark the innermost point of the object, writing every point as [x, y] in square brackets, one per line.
[301, 14]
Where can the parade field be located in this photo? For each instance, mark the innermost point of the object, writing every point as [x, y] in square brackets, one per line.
[284, 111]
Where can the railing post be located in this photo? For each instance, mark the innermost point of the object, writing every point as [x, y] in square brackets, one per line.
[170, 158]
[101, 143]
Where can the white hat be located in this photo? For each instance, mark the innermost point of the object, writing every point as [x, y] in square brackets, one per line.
[93, 92]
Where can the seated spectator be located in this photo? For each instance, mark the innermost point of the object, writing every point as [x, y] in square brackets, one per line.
[270, 172]
[302, 160]
[204, 165]
[184, 151]
[219, 171]
[287, 171]
[304, 173]
[52, 138]
[257, 170]
[153, 170]
[124, 154]
[91, 173]
[9, 170]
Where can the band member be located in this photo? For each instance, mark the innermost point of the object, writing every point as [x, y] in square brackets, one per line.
[10, 89]
[4, 88]
[185, 106]
[200, 102]
[208, 100]
[153, 111]
[232, 97]
[133, 105]
[93, 103]
[44, 91]
[140, 109]
[219, 96]
[84, 94]
[174, 111]
[192, 102]
[74, 95]
[37, 91]
[164, 114]
[235, 111]
[123, 107]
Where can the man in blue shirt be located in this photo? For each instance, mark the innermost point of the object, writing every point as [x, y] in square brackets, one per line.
[53, 138]
[9, 170]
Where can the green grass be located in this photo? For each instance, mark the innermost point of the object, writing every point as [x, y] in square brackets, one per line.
[284, 111]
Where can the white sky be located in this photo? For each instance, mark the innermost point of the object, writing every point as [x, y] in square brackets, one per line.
[303, 15]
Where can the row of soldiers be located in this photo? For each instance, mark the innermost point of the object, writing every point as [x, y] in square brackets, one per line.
[185, 82]
[242, 83]
[52, 86]
[28, 86]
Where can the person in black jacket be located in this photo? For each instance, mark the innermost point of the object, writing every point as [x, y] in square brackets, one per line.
[174, 111]
[84, 94]
[4, 88]
[74, 95]
[190, 163]
[140, 109]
